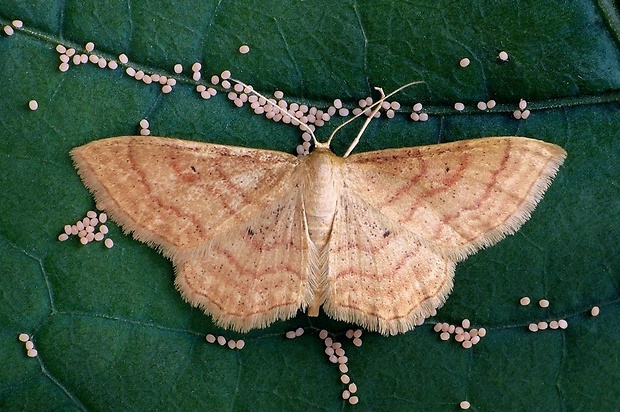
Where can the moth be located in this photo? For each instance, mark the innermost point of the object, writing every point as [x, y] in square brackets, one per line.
[373, 238]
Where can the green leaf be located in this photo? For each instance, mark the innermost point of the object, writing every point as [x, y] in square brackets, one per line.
[113, 333]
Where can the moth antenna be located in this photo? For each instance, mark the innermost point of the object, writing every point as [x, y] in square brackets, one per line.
[372, 107]
[377, 107]
[294, 120]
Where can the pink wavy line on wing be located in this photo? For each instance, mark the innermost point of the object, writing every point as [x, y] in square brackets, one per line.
[458, 176]
[149, 189]
[486, 195]
[280, 268]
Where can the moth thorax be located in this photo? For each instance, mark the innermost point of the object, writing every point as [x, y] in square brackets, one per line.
[324, 184]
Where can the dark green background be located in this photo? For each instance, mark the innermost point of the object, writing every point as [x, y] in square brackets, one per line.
[112, 332]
